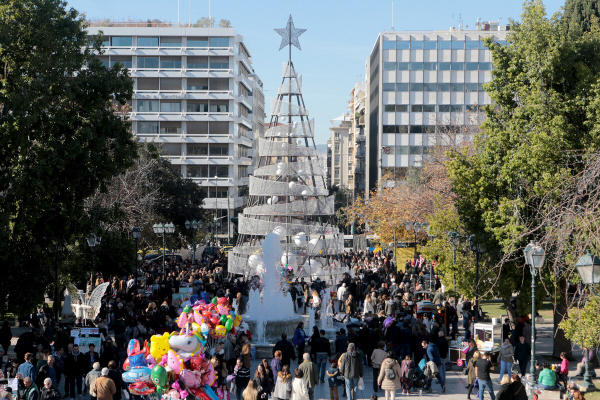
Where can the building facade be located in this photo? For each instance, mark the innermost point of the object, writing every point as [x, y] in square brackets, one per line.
[419, 84]
[197, 96]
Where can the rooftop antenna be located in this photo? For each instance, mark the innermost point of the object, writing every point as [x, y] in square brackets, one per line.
[392, 16]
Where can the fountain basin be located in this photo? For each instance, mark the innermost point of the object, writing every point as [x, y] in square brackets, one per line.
[273, 328]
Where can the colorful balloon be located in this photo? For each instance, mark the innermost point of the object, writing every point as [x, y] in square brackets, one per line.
[229, 324]
[222, 300]
[222, 310]
[159, 377]
[214, 300]
[220, 331]
[223, 319]
[204, 329]
[237, 321]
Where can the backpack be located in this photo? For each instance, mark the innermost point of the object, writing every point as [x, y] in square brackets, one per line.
[410, 374]
[390, 374]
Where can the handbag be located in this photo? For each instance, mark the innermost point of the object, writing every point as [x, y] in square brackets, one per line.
[361, 384]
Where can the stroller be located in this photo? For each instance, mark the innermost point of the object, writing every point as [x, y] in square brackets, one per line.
[421, 381]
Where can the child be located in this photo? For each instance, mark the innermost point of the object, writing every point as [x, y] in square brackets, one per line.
[335, 380]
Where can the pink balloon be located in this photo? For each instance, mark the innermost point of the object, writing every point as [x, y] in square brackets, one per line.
[222, 310]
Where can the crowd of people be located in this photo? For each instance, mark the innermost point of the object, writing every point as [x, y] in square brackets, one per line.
[375, 301]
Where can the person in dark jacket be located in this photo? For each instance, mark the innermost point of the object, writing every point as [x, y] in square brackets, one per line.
[522, 354]
[505, 392]
[321, 351]
[242, 377]
[393, 335]
[287, 350]
[5, 336]
[351, 368]
[341, 342]
[517, 389]
[75, 368]
[91, 357]
[115, 375]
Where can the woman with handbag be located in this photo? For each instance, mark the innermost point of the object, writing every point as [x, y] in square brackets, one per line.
[283, 386]
[263, 382]
[471, 373]
[389, 376]
[506, 356]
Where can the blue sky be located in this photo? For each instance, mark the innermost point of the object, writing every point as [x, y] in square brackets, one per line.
[340, 35]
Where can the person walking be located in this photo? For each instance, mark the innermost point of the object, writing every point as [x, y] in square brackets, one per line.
[483, 367]
[75, 367]
[377, 358]
[335, 380]
[299, 388]
[471, 374]
[31, 390]
[287, 350]
[299, 340]
[322, 351]
[90, 379]
[283, 384]
[117, 378]
[522, 353]
[276, 364]
[104, 386]
[352, 370]
[49, 391]
[389, 376]
[310, 375]
[517, 389]
[246, 350]
[507, 352]
[27, 369]
[242, 378]
[407, 370]
[433, 354]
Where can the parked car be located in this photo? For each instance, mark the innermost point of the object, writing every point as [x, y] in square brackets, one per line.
[210, 251]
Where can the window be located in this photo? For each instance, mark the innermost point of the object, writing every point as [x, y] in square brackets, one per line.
[197, 149]
[243, 171]
[401, 108]
[104, 61]
[197, 84]
[242, 151]
[337, 147]
[147, 83]
[471, 66]
[222, 106]
[416, 66]
[337, 160]
[472, 44]
[242, 111]
[170, 149]
[502, 42]
[444, 66]
[197, 107]
[197, 171]
[389, 108]
[221, 84]
[389, 87]
[403, 66]
[243, 130]
[457, 87]
[456, 108]
[218, 128]
[170, 106]
[197, 42]
[416, 44]
[473, 108]
[389, 45]
[402, 87]
[458, 44]
[402, 45]
[337, 172]
[147, 41]
[389, 66]
[485, 66]
[219, 42]
[170, 127]
[416, 108]
[124, 61]
[124, 41]
[430, 45]
[416, 87]
[481, 89]
[197, 62]
[443, 87]
[197, 128]
[219, 63]
[457, 66]
[147, 127]
[147, 62]
[416, 129]
[429, 108]
[170, 62]
[401, 128]
[105, 41]
[482, 44]
[415, 150]
[430, 66]
[444, 45]
[471, 87]
[170, 83]
[170, 41]
[389, 129]
[219, 149]
[403, 150]
[444, 108]
[147, 106]
[429, 87]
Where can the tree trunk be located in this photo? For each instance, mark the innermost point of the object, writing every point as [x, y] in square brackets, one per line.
[560, 342]
[512, 315]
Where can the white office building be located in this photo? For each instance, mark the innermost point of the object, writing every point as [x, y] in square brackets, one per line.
[195, 94]
[418, 84]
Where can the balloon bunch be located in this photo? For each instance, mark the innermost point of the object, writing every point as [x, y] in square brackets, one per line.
[174, 364]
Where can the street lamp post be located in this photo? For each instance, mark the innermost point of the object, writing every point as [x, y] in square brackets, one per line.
[94, 241]
[454, 238]
[162, 230]
[136, 231]
[588, 267]
[216, 203]
[478, 249]
[535, 256]
[56, 248]
[194, 225]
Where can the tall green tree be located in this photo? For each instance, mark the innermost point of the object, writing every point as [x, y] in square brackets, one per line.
[580, 15]
[60, 141]
[544, 90]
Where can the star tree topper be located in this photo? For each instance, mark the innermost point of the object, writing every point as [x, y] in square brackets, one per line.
[290, 34]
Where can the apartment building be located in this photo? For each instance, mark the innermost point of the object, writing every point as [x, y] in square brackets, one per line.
[197, 96]
[420, 83]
